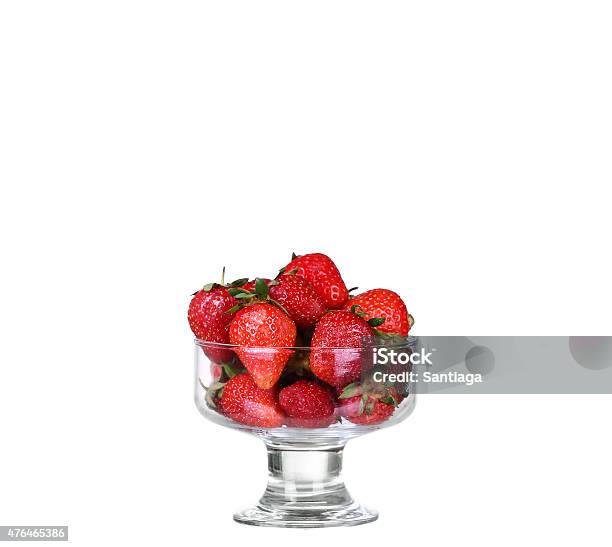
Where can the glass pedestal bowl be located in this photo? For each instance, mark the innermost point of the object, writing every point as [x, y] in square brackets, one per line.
[305, 488]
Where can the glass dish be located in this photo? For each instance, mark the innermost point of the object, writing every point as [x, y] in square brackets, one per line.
[305, 488]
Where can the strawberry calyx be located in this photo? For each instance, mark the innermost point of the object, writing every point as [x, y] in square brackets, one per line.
[215, 390]
[210, 286]
[377, 322]
[283, 271]
[370, 393]
[373, 322]
[260, 294]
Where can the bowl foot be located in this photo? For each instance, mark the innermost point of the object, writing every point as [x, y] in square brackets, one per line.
[351, 515]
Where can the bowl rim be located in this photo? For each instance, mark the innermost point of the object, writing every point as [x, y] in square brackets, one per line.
[402, 342]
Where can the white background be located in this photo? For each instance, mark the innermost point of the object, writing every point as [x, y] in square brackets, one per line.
[458, 152]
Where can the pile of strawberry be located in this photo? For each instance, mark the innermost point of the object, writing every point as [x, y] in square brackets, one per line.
[262, 382]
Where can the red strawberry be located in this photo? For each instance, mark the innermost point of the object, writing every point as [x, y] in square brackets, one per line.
[259, 329]
[308, 404]
[243, 401]
[300, 300]
[209, 321]
[365, 410]
[385, 304]
[337, 331]
[320, 271]
[295, 295]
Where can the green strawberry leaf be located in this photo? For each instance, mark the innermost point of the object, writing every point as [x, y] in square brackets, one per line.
[392, 338]
[293, 256]
[234, 291]
[239, 282]
[261, 289]
[234, 309]
[229, 371]
[370, 406]
[357, 309]
[362, 403]
[214, 392]
[350, 391]
[242, 295]
[208, 287]
[376, 321]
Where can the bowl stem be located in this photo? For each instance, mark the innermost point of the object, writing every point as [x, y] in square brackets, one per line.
[305, 490]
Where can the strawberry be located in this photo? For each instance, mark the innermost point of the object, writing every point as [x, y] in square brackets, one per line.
[298, 297]
[209, 321]
[385, 304]
[292, 292]
[259, 329]
[243, 401]
[368, 403]
[320, 271]
[365, 412]
[307, 404]
[332, 359]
